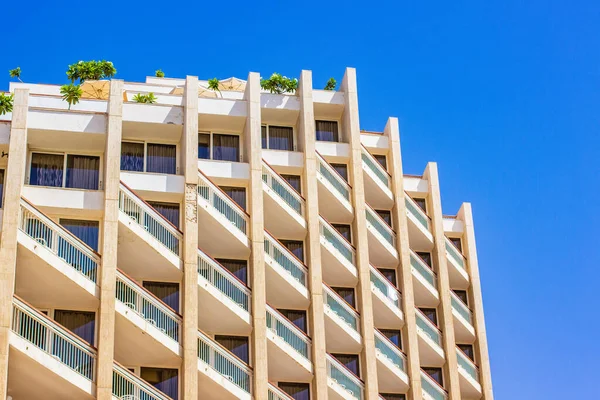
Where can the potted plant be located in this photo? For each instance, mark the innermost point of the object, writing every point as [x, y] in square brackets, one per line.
[6, 103]
[145, 98]
[279, 84]
[331, 84]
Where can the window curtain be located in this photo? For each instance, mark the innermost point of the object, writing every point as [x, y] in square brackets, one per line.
[168, 210]
[46, 170]
[296, 247]
[350, 361]
[263, 136]
[431, 314]
[238, 345]
[393, 396]
[237, 194]
[297, 317]
[422, 203]
[239, 268]
[226, 147]
[456, 242]
[341, 169]
[344, 230]
[426, 257]
[281, 138]
[1, 187]
[435, 374]
[81, 323]
[327, 131]
[204, 146]
[462, 294]
[382, 160]
[386, 216]
[297, 391]
[87, 231]
[347, 294]
[389, 274]
[162, 158]
[132, 156]
[393, 336]
[166, 291]
[164, 379]
[294, 181]
[83, 172]
[468, 350]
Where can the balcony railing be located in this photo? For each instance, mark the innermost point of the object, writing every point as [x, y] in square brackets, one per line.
[127, 386]
[222, 203]
[333, 237]
[384, 286]
[467, 365]
[380, 226]
[428, 328]
[338, 306]
[149, 219]
[53, 339]
[416, 211]
[455, 254]
[223, 362]
[289, 332]
[285, 259]
[149, 307]
[334, 179]
[371, 164]
[223, 280]
[461, 308]
[345, 378]
[277, 394]
[283, 189]
[423, 269]
[390, 351]
[59, 241]
[431, 389]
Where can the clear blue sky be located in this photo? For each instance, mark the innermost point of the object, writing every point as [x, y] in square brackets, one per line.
[504, 95]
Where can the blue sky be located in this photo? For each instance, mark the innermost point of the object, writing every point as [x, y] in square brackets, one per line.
[504, 95]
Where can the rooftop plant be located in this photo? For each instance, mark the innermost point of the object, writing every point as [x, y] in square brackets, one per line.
[159, 73]
[71, 93]
[16, 73]
[90, 70]
[331, 84]
[213, 84]
[145, 98]
[6, 103]
[279, 84]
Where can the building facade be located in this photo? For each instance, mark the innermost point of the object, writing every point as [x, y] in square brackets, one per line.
[228, 245]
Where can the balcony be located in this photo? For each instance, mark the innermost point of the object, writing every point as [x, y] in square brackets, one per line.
[55, 268]
[424, 282]
[47, 361]
[341, 324]
[286, 276]
[225, 221]
[377, 182]
[127, 386]
[391, 366]
[382, 240]
[283, 206]
[149, 245]
[337, 257]
[221, 375]
[419, 226]
[386, 302]
[277, 394]
[342, 383]
[288, 349]
[468, 375]
[463, 320]
[457, 267]
[223, 299]
[431, 351]
[334, 193]
[431, 389]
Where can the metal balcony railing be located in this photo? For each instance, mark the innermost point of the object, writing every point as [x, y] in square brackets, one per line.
[384, 286]
[337, 372]
[427, 327]
[431, 389]
[383, 229]
[222, 204]
[285, 259]
[289, 332]
[372, 165]
[423, 269]
[283, 189]
[413, 209]
[387, 349]
[467, 365]
[331, 176]
[455, 254]
[338, 306]
[333, 237]
[461, 308]
[127, 386]
[277, 394]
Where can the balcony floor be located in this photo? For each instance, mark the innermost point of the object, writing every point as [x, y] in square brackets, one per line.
[214, 386]
[283, 291]
[469, 388]
[331, 207]
[390, 379]
[218, 236]
[281, 220]
[285, 364]
[219, 314]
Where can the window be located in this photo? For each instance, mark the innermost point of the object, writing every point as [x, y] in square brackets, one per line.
[297, 317]
[237, 194]
[462, 294]
[1, 187]
[297, 391]
[426, 258]
[65, 170]
[350, 361]
[87, 231]
[431, 314]
[294, 181]
[277, 137]
[457, 242]
[238, 345]
[239, 268]
[385, 215]
[347, 294]
[341, 169]
[296, 247]
[81, 323]
[468, 350]
[421, 203]
[327, 131]
[381, 159]
[390, 275]
[435, 374]
[168, 210]
[217, 146]
[149, 157]
[166, 291]
[392, 396]
[164, 379]
[393, 335]
[204, 146]
[344, 230]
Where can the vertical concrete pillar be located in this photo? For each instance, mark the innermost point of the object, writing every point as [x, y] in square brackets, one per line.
[14, 178]
[481, 347]
[307, 137]
[190, 241]
[439, 256]
[253, 140]
[409, 332]
[351, 128]
[109, 242]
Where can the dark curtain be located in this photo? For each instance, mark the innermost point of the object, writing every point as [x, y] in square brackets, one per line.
[393, 336]
[381, 159]
[350, 361]
[462, 294]
[46, 170]
[294, 181]
[168, 210]
[83, 172]
[431, 314]
[393, 396]
[344, 230]
[81, 323]
[341, 169]
[238, 345]
[281, 138]
[237, 194]
[457, 242]
[468, 350]
[386, 216]
[204, 146]
[296, 247]
[1, 187]
[389, 274]
[162, 158]
[347, 294]
[166, 291]
[164, 379]
[87, 231]
[263, 136]
[297, 391]
[132, 156]
[226, 147]
[422, 203]
[239, 268]
[327, 131]
[426, 257]
[435, 374]
[297, 317]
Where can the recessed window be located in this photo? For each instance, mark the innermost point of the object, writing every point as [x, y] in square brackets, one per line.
[168, 210]
[65, 170]
[277, 137]
[426, 257]
[86, 231]
[297, 317]
[1, 188]
[393, 335]
[421, 203]
[435, 374]
[81, 323]
[149, 157]
[168, 292]
[327, 131]
[218, 146]
[342, 170]
[237, 194]
[381, 159]
[347, 294]
[238, 345]
[385, 215]
[164, 379]
[344, 230]
[457, 242]
[468, 350]
[239, 268]
[392, 396]
[431, 314]
[350, 361]
[295, 246]
[462, 294]
[390, 275]
[296, 390]
[294, 181]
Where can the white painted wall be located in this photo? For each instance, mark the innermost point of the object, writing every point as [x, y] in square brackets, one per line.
[152, 113]
[334, 150]
[328, 97]
[279, 101]
[57, 103]
[78, 199]
[66, 121]
[415, 185]
[453, 225]
[218, 106]
[375, 142]
[150, 182]
[225, 169]
[286, 159]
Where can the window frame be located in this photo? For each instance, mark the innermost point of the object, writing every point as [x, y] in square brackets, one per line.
[211, 144]
[65, 155]
[49, 312]
[339, 130]
[294, 137]
[60, 217]
[145, 167]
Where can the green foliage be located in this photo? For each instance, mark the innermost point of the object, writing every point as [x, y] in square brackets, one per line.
[279, 84]
[6, 103]
[145, 98]
[213, 84]
[159, 73]
[71, 93]
[331, 84]
[16, 73]
[90, 70]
